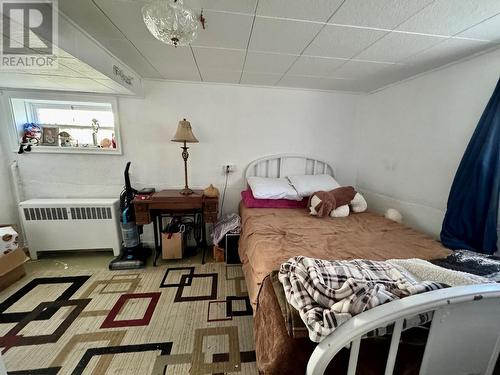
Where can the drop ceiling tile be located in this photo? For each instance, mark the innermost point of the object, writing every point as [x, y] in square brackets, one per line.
[487, 30]
[319, 83]
[397, 46]
[269, 63]
[127, 16]
[225, 30]
[125, 51]
[446, 52]
[345, 42]
[221, 76]
[389, 76]
[284, 36]
[89, 17]
[92, 20]
[384, 14]
[315, 66]
[352, 85]
[219, 59]
[449, 17]
[179, 74]
[237, 6]
[317, 10]
[263, 79]
[172, 63]
[358, 69]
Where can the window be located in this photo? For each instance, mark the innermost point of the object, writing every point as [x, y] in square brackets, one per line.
[66, 125]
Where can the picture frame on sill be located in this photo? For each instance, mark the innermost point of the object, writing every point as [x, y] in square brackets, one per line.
[50, 136]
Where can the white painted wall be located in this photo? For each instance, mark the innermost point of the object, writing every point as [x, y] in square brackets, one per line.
[412, 137]
[401, 145]
[8, 211]
[233, 124]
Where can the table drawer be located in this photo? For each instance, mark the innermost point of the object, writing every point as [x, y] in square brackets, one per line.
[142, 218]
[141, 208]
[210, 206]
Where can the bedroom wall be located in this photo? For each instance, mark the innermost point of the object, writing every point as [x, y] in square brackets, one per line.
[233, 124]
[8, 212]
[412, 137]
[401, 145]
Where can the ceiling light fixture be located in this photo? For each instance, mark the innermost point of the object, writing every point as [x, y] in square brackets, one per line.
[170, 22]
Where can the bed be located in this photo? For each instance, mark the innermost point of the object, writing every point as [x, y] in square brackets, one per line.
[270, 237]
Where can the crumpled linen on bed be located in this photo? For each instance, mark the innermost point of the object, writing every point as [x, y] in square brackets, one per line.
[328, 293]
[224, 225]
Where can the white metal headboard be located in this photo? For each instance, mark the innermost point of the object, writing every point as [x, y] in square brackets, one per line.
[283, 165]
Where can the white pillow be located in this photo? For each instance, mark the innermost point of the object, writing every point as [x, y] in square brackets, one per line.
[272, 188]
[306, 185]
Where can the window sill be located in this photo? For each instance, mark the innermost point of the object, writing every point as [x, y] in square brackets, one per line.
[73, 150]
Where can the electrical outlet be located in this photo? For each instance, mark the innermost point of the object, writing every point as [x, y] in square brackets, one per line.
[228, 168]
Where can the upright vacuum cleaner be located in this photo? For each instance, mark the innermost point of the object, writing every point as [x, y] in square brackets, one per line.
[133, 255]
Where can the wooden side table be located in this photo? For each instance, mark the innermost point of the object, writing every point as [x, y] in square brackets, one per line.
[171, 203]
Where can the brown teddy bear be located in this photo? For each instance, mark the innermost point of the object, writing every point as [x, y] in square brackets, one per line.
[337, 202]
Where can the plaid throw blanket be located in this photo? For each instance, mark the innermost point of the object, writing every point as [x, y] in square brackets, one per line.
[328, 293]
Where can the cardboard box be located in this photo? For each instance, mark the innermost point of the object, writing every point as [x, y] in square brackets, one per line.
[172, 245]
[218, 254]
[12, 267]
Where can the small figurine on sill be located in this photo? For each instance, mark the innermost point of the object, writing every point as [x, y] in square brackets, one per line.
[66, 139]
[106, 143]
[31, 137]
[95, 128]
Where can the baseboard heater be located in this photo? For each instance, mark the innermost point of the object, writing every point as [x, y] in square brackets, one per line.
[71, 224]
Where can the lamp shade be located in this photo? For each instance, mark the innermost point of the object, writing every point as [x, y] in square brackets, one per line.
[184, 133]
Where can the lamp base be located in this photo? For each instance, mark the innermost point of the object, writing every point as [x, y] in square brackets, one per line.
[186, 191]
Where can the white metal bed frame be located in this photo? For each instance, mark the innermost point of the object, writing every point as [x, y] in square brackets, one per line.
[464, 336]
[283, 165]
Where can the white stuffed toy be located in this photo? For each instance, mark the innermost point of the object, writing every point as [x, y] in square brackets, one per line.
[8, 240]
[394, 215]
[337, 203]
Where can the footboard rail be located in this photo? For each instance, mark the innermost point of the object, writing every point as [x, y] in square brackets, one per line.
[464, 336]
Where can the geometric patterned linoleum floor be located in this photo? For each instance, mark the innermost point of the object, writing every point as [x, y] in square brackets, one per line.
[171, 319]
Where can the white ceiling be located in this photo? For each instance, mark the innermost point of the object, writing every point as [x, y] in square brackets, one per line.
[71, 74]
[351, 45]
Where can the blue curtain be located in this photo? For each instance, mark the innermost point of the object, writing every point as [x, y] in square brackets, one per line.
[472, 210]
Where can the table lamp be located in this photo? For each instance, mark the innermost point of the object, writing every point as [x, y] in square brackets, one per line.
[185, 134]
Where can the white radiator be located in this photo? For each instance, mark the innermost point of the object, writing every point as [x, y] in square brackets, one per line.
[71, 224]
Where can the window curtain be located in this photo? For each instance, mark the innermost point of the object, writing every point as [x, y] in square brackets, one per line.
[472, 210]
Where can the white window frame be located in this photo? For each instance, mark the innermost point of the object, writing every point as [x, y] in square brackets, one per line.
[30, 116]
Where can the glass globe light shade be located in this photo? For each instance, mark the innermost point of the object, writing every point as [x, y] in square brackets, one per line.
[170, 22]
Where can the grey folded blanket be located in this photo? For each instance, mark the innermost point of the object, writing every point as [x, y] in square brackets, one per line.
[487, 266]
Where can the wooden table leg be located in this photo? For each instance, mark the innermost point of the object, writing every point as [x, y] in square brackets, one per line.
[203, 237]
[157, 238]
